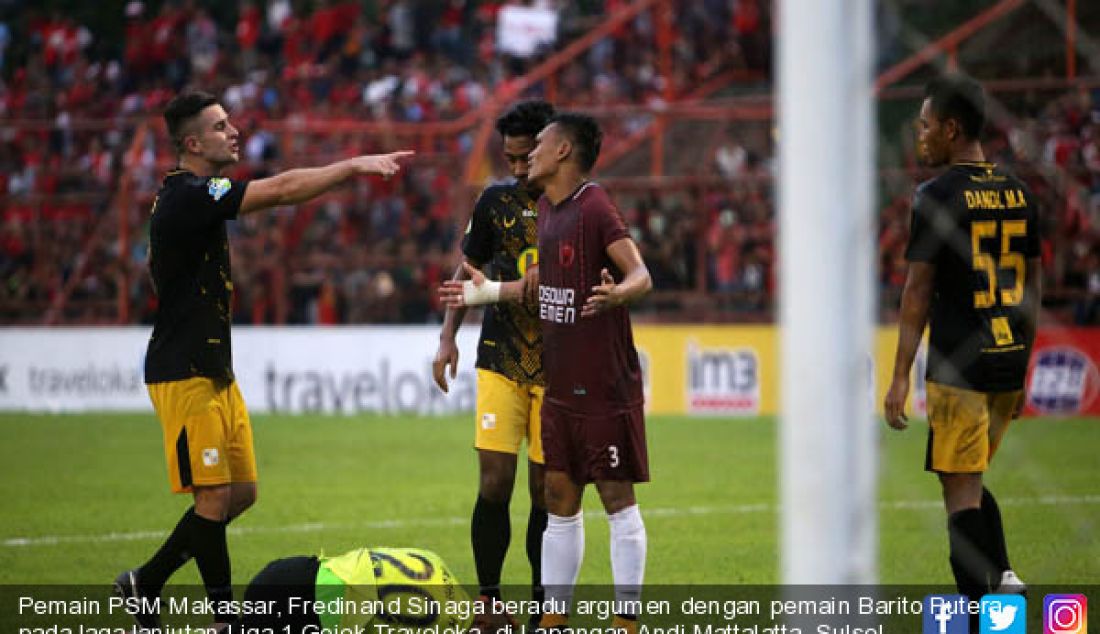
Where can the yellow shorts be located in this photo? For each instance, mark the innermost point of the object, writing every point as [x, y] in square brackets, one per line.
[508, 412]
[207, 434]
[965, 427]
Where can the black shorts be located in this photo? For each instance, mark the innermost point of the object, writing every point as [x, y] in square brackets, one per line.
[595, 447]
[278, 581]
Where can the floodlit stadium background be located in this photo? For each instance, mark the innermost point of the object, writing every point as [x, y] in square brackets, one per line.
[337, 319]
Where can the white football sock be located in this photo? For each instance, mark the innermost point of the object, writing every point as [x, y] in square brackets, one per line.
[562, 552]
[628, 546]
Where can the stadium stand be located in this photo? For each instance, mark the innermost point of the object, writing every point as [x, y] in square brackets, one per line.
[81, 150]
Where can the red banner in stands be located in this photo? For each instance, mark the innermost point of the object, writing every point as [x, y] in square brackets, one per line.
[1063, 378]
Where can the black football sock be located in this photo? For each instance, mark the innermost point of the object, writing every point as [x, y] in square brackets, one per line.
[536, 525]
[996, 529]
[172, 554]
[970, 553]
[208, 544]
[490, 534]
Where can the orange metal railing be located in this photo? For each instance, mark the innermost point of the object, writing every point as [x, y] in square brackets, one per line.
[121, 202]
[948, 44]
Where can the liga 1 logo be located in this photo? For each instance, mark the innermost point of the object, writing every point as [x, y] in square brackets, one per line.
[722, 380]
[1063, 380]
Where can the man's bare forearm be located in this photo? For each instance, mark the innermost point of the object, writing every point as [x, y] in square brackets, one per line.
[511, 291]
[302, 184]
[452, 318]
[635, 285]
[294, 186]
[915, 302]
[299, 185]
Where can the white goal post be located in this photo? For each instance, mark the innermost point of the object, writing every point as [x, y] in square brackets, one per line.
[826, 193]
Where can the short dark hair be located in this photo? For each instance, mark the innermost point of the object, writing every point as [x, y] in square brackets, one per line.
[526, 118]
[961, 98]
[585, 134]
[182, 109]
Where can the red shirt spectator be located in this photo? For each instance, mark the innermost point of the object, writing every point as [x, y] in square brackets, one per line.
[53, 33]
[295, 47]
[324, 23]
[328, 312]
[138, 34]
[347, 13]
[248, 26]
[165, 35]
[746, 20]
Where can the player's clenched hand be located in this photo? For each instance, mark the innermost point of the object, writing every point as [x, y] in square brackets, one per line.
[603, 297]
[446, 355]
[451, 293]
[381, 164]
[894, 406]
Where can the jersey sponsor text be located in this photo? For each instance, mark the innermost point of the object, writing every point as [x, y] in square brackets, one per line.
[557, 305]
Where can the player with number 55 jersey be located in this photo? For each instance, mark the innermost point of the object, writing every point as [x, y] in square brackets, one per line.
[974, 279]
[977, 226]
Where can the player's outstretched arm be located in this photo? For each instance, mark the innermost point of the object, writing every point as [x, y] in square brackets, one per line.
[636, 280]
[915, 300]
[299, 185]
[478, 291]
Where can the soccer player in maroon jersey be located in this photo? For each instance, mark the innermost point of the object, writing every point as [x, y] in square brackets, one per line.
[592, 415]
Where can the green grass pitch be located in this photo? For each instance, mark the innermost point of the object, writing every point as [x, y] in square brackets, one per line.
[85, 496]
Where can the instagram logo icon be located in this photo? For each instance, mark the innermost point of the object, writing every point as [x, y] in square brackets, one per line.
[1065, 614]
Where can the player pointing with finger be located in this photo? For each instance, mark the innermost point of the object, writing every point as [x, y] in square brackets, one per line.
[188, 367]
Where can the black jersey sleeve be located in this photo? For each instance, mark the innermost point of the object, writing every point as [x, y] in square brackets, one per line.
[205, 202]
[477, 244]
[925, 238]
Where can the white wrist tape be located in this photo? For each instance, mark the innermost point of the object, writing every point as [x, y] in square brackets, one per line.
[487, 293]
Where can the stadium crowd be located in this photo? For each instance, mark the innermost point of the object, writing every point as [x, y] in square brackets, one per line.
[75, 100]
[69, 103]
[1054, 145]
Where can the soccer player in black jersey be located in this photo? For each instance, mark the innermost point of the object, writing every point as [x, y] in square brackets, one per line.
[503, 235]
[974, 278]
[188, 369]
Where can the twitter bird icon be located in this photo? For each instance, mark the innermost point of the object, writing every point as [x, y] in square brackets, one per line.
[1003, 614]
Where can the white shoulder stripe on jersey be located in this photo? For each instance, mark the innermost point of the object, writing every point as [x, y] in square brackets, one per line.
[584, 187]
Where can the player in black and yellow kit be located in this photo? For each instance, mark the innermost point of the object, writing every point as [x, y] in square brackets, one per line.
[188, 368]
[974, 277]
[502, 235]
